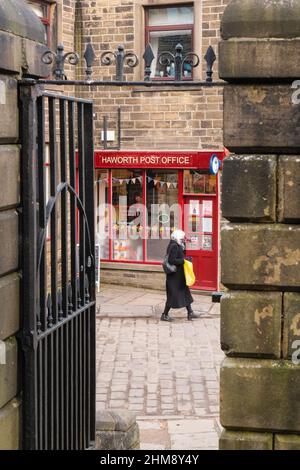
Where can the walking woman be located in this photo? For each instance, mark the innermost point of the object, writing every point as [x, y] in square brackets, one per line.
[178, 293]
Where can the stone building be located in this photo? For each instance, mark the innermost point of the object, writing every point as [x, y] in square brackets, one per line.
[163, 121]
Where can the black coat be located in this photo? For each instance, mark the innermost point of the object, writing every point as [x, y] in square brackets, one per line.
[178, 293]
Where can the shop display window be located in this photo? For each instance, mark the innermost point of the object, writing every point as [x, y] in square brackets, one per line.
[162, 211]
[195, 182]
[102, 213]
[127, 216]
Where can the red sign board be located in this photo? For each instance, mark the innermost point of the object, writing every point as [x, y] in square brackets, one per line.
[145, 160]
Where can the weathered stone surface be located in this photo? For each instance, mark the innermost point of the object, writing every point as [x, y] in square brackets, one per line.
[22, 55]
[261, 119]
[11, 56]
[9, 237]
[258, 58]
[249, 188]
[10, 425]
[9, 116]
[289, 188]
[287, 442]
[261, 19]
[32, 63]
[18, 18]
[115, 420]
[260, 256]
[118, 440]
[260, 395]
[259, 313]
[291, 326]
[8, 371]
[232, 440]
[9, 300]
[9, 176]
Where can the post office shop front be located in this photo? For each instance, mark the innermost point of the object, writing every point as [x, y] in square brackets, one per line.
[141, 197]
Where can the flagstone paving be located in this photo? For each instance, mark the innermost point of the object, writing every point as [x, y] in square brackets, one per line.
[167, 373]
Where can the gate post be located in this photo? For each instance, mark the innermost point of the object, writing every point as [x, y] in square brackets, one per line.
[260, 255]
[28, 95]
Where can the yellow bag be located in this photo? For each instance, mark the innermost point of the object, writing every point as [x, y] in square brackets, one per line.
[190, 278]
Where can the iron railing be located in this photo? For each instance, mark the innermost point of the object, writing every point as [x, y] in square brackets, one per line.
[122, 59]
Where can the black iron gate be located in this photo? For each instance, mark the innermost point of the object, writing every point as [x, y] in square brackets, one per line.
[58, 304]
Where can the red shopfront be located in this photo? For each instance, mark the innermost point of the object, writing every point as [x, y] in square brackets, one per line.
[141, 197]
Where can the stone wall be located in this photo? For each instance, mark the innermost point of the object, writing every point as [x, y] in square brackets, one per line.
[260, 407]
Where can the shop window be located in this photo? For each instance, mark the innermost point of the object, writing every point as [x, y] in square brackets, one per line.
[163, 211]
[127, 217]
[47, 12]
[165, 28]
[195, 182]
[102, 213]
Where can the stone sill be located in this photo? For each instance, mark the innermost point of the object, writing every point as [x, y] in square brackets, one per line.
[196, 86]
[132, 267]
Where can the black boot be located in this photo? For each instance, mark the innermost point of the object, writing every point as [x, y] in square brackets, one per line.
[190, 314]
[165, 315]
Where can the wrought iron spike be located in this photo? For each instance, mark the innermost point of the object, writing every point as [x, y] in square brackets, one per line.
[210, 58]
[89, 57]
[119, 58]
[178, 62]
[60, 59]
[148, 58]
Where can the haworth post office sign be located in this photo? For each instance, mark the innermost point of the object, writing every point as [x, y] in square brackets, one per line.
[168, 159]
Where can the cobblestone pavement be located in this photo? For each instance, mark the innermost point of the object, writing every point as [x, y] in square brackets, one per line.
[168, 373]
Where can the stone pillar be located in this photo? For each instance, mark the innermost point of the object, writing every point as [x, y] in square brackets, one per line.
[21, 35]
[260, 249]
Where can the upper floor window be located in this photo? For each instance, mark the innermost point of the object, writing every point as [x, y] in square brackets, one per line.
[165, 28]
[47, 14]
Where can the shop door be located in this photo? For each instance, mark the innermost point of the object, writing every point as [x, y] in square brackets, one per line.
[201, 228]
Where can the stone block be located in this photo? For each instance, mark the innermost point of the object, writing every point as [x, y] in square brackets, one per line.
[10, 301]
[286, 442]
[260, 257]
[117, 440]
[32, 57]
[249, 188]
[9, 176]
[9, 113]
[234, 440]
[9, 247]
[260, 315]
[261, 19]
[116, 430]
[289, 188]
[114, 420]
[261, 119]
[8, 371]
[260, 395]
[11, 56]
[259, 59]
[291, 326]
[10, 417]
